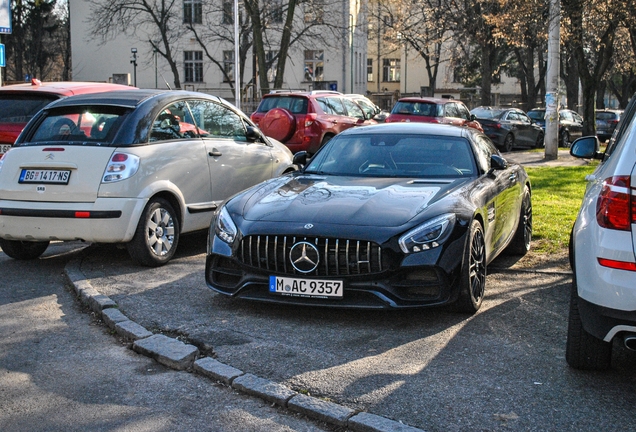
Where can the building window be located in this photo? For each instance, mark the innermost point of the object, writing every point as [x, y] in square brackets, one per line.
[390, 70]
[314, 65]
[228, 12]
[193, 62]
[228, 66]
[192, 11]
[275, 10]
[370, 70]
[314, 11]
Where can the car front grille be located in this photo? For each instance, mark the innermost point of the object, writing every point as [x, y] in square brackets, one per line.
[336, 257]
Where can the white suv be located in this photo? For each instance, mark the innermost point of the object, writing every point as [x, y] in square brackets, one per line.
[603, 251]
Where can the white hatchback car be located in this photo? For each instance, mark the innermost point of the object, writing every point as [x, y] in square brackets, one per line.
[138, 167]
[603, 251]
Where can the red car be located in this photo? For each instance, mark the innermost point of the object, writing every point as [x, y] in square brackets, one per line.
[20, 102]
[307, 120]
[433, 110]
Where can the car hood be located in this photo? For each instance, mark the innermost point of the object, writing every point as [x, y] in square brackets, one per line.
[379, 202]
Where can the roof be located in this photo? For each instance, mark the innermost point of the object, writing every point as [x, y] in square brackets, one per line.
[127, 98]
[412, 127]
[428, 100]
[64, 88]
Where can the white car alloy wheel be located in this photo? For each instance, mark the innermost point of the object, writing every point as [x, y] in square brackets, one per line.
[157, 234]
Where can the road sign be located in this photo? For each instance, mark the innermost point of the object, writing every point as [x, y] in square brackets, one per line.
[5, 16]
[2, 60]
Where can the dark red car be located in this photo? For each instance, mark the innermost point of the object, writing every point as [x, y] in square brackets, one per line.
[20, 102]
[433, 110]
[307, 120]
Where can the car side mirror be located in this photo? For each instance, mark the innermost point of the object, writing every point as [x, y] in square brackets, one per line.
[497, 163]
[473, 117]
[586, 148]
[252, 134]
[300, 158]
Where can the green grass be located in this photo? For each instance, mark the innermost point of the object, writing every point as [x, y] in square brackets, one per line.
[557, 193]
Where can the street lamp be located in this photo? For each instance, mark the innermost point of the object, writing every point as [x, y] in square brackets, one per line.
[134, 63]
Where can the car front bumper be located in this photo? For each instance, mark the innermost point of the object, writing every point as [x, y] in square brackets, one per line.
[424, 279]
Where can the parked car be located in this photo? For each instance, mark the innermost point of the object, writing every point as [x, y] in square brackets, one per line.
[307, 120]
[20, 102]
[509, 127]
[370, 109]
[387, 216]
[432, 110]
[606, 121]
[137, 167]
[602, 254]
[570, 124]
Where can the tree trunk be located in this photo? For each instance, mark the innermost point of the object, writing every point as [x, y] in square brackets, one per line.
[284, 44]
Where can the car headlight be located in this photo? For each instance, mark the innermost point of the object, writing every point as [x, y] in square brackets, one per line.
[225, 229]
[428, 235]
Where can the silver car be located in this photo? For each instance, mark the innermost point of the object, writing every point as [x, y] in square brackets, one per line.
[138, 167]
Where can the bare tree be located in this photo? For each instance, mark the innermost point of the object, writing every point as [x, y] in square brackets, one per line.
[158, 22]
[32, 49]
[421, 26]
[590, 27]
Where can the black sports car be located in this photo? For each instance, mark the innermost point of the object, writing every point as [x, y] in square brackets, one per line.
[393, 215]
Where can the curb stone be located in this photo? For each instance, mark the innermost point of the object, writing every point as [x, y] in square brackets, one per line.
[180, 356]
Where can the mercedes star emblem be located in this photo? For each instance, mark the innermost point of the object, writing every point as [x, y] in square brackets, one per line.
[304, 257]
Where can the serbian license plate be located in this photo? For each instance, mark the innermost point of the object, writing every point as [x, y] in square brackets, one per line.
[305, 287]
[45, 176]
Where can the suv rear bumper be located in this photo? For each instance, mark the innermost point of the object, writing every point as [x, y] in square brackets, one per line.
[605, 323]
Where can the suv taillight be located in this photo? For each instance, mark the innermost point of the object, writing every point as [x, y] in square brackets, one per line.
[616, 205]
[310, 118]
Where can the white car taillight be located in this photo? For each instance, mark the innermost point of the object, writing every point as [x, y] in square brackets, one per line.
[616, 205]
[120, 167]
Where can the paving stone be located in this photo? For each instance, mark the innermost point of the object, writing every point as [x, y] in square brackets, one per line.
[112, 316]
[216, 370]
[268, 390]
[365, 422]
[167, 351]
[131, 330]
[320, 409]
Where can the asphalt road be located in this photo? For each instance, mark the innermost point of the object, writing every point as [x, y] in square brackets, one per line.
[60, 370]
[500, 369]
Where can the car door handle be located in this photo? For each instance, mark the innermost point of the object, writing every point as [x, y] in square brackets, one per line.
[215, 153]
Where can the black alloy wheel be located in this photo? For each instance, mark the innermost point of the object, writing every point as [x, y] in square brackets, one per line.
[509, 142]
[520, 243]
[472, 281]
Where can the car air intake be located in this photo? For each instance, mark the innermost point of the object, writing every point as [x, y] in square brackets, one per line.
[331, 257]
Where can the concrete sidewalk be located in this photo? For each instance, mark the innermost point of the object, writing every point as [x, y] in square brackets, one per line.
[537, 159]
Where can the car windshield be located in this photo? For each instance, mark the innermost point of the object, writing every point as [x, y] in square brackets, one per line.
[485, 113]
[425, 109]
[78, 124]
[295, 105]
[536, 114]
[404, 155]
[16, 108]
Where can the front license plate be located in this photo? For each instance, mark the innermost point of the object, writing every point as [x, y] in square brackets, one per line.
[305, 287]
[45, 176]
